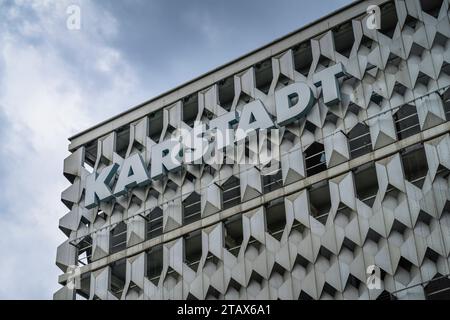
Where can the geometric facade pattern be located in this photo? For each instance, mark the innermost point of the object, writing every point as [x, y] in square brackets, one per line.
[362, 182]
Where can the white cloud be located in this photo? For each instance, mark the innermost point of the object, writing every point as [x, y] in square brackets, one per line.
[44, 99]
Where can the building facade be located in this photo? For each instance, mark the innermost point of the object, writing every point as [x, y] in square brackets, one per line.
[358, 207]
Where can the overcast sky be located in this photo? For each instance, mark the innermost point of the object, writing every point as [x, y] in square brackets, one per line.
[55, 82]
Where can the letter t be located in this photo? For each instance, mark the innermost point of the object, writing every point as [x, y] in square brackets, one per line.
[330, 85]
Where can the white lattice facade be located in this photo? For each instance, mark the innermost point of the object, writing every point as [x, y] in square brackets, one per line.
[362, 182]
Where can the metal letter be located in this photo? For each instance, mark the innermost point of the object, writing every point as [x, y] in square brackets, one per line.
[98, 186]
[224, 136]
[254, 116]
[165, 156]
[293, 102]
[132, 174]
[194, 143]
[330, 84]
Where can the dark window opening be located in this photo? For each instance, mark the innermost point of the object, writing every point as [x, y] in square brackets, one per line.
[438, 288]
[366, 42]
[171, 184]
[264, 75]
[329, 290]
[445, 68]
[231, 193]
[392, 193]
[85, 251]
[154, 223]
[233, 284]
[373, 236]
[193, 249]
[211, 259]
[256, 277]
[303, 57]
[206, 115]
[277, 269]
[440, 40]
[326, 62]
[442, 172]
[85, 222]
[343, 216]
[117, 282]
[85, 286]
[406, 121]
[209, 170]
[154, 264]
[191, 297]
[233, 234]
[388, 19]
[253, 246]
[191, 208]
[344, 38]
[446, 101]
[272, 182]
[400, 89]
[405, 264]
[190, 109]
[376, 98]
[285, 81]
[190, 177]
[171, 275]
[315, 159]
[226, 93]
[244, 98]
[134, 203]
[320, 201]
[354, 108]
[331, 118]
[304, 296]
[417, 50]
[324, 252]
[301, 261]
[386, 296]
[212, 294]
[359, 140]
[411, 22]
[100, 214]
[155, 125]
[415, 165]
[432, 7]
[276, 218]
[366, 183]
[353, 281]
[423, 78]
[136, 147]
[309, 126]
[90, 156]
[122, 140]
[349, 244]
[297, 229]
[118, 238]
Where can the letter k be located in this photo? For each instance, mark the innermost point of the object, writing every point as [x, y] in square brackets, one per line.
[98, 186]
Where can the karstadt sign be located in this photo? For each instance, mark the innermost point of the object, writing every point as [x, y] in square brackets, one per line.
[190, 147]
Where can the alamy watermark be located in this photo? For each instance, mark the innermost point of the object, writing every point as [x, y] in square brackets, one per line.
[216, 147]
[373, 281]
[373, 21]
[73, 21]
[74, 277]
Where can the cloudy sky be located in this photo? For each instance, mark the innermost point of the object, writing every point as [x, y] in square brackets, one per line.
[55, 82]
